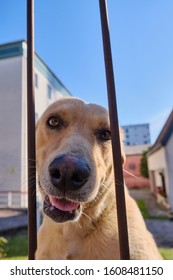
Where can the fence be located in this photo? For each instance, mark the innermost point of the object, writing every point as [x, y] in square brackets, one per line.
[13, 199]
[121, 210]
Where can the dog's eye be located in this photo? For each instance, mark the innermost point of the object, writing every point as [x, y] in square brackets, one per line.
[54, 122]
[104, 135]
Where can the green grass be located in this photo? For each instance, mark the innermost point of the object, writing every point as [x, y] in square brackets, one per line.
[145, 212]
[16, 247]
[143, 209]
[166, 253]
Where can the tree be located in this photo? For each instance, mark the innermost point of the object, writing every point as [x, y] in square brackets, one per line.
[144, 165]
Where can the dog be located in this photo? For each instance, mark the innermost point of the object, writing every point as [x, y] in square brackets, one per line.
[77, 187]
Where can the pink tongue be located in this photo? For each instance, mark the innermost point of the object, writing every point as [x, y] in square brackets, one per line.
[63, 204]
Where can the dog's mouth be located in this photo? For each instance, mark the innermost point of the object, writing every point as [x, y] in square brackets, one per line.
[61, 209]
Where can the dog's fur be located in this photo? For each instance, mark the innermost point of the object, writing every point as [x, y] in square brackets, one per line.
[83, 132]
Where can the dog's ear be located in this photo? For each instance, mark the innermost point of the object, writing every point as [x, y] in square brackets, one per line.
[123, 156]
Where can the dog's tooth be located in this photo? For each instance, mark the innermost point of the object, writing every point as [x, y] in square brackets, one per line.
[52, 208]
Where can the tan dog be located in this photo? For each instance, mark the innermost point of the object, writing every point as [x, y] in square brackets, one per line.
[76, 181]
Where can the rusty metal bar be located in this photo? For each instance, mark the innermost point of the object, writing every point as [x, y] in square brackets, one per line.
[32, 227]
[116, 148]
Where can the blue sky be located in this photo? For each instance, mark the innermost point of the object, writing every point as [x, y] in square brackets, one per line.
[68, 38]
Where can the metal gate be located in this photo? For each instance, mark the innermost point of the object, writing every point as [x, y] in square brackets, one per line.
[114, 126]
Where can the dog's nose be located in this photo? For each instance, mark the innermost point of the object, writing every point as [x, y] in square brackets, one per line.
[69, 172]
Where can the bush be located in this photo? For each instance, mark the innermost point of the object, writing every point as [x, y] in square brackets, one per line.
[3, 243]
[144, 165]
[17, 246]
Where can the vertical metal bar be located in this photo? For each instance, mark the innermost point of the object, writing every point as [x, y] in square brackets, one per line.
[116, 148]
[32, 233]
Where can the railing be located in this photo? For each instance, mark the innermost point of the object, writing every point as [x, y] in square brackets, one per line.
[115, 137]
[32, 219]
[17, 200]
[13, 199]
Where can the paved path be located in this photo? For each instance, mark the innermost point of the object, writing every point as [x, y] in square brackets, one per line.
[12, 220]
[162, 230]
[153, 207]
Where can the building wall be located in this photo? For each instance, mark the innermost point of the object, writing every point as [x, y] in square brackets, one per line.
[132, 165]
[10, 122]
[24, 161]
[156, 164]
[42, 99]
[136, 134]
[169, 160]
[13, 116]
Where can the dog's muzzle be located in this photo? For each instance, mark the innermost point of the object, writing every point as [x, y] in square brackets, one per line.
[68, 173]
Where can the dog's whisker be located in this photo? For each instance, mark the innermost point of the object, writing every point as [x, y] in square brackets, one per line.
[32, 182]
[77, 224]
[27, 184]
[119, 183]
[34, 193]
[26, 179]
[28, 159]
[26, 167]
[33, 178]
[130, 173]
[87, 216]
[104, 186]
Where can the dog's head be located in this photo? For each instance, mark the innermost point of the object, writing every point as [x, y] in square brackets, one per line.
[74, 157]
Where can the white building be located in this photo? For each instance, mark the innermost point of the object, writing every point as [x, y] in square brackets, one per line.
[48, 88]
[138, 134]
[160, 165]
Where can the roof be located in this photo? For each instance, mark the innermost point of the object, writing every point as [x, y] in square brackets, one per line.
[164, 135]
[19, 48]
[136, 149]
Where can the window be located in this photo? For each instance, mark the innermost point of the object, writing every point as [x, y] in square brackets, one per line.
[49, 91]
[132, 166]
[36, 80]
